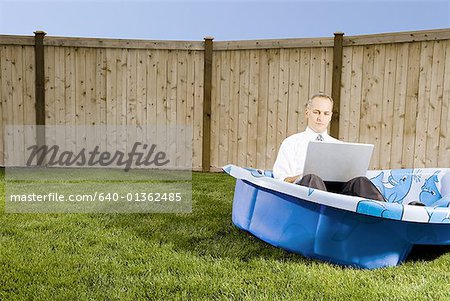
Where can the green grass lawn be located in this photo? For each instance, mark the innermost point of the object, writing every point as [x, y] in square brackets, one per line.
[197, 256]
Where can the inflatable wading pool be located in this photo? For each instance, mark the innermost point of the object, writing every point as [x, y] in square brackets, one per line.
[342, 229]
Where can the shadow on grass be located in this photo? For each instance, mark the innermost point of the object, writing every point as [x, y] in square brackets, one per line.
[427, 252]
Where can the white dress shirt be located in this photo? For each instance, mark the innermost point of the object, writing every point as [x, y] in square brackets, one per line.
[291, 156]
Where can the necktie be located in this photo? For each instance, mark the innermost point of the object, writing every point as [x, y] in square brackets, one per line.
[319, 137]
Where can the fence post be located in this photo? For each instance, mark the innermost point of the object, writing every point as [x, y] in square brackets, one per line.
[336, 82]
[207, 84]
[40, 86]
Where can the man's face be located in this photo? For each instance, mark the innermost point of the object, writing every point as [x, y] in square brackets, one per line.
[319, 114]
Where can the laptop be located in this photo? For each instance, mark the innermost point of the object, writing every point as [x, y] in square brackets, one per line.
[337, 162]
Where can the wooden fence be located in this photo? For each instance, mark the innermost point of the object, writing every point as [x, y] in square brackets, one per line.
[96, 82]
[394, 91]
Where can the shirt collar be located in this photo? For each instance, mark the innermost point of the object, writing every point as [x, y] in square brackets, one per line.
[313, 135]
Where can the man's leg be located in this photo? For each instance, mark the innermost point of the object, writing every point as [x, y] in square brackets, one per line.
[312, 181]
[362, 187]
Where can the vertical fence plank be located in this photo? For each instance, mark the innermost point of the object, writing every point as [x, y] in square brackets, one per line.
[141, 96]
[2, 125]
[7, 98]
[2, 105]
[60, 117]
[80, 113]
[376, 104]
[388, 96]
[328, 65]
[304, 92]
[150, 101]
[426, 63]
[315, 74]
[215, 109]
[444, 131]
[263, 96]
[50, 95]
[141, 89]
[100, 96]
[244, 75]
[131, 93]
[435, 104]
[323, 71]
[398, 122]
[412, 88]
[356, 93]
[272, 114]
[253, 103]
[120, 57]
[29, 96]
[223, 105]
[122, 98]
[111, 98]
[161, 90]
[59, 94]
[198, 109]
[17, 103]
[345, 96]
[10, 106]
[100, 85]
[234, 92]
[172, 94]
[366, 92]
[190, 100]
[91, 103]
[152, 86]
[69, 93]
[181, 104]
[293, 112]
[282, 98]
[161, 99]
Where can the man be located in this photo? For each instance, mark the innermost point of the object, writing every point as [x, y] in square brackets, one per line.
[291, 156]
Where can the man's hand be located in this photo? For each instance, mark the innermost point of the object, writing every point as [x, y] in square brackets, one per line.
[292, 179]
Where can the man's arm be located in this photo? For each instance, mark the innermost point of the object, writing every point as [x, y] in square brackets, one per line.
[283, 169]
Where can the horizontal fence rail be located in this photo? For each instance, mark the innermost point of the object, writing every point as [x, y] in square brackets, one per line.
[392, 90]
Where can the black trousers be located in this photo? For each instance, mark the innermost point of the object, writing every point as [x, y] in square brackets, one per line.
[360, 186]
